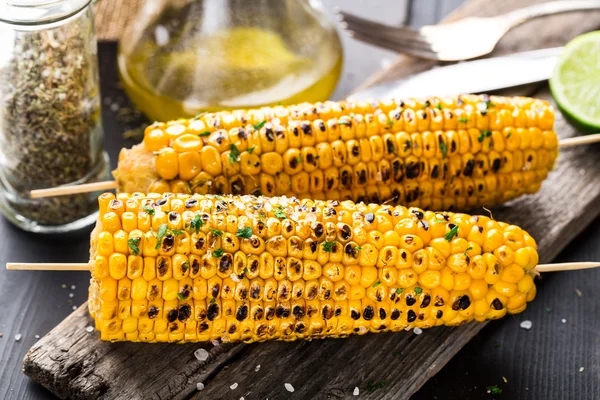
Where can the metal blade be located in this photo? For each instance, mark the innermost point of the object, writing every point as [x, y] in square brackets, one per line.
[470, 76]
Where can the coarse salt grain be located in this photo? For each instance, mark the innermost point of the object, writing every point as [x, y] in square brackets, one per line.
[71, 295]
[526, 324]
[362, 329]
[73, 287]
[37, 336]
[233, 386]
[74, 308]
[268, 207]
[199, 386]
[417, 331]
[581, 369]
[201, 354]
[356, 391]
[289, 387]
[257, 368]
[89, 329]
[234, 277]
[564, 321]
[215, 342]
[18, 337]
[161, 35]
[310, 217]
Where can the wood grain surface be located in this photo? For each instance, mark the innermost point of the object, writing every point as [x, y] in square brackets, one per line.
[72, 363]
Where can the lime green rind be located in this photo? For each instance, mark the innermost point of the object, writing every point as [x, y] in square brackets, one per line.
[577, 74]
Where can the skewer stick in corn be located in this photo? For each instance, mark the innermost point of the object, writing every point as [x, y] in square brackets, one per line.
[451, 153]
[181, 268]
[555, 267]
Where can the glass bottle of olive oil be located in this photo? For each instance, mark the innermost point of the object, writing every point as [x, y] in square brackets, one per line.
[181, 57]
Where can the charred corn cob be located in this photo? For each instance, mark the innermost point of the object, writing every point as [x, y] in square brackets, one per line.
[181, 268]
[442, 153]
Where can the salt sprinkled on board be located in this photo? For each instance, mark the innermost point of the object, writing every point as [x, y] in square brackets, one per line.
[233, 386]
[199, 386]
[201, 354]
[257, 368]
[289, 387]
[90, 329]
[526, 324]
[356, 391]
[18, 337]
[417, 331]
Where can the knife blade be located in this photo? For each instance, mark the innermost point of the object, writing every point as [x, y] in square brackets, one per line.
[470, 76]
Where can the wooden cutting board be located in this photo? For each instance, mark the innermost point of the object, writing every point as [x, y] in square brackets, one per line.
[73, 363]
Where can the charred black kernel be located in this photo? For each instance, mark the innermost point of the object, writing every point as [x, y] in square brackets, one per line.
[261, 330]
[259, 313]
[382, 313]
[300, 328]
[294, 163]
[186, 291]
[452, 146]
[398, 170]
[313, 246]
[468, 171]
[173, 327]
[391, 147]
[410, 300]
[461, 303]
[412, 170]
[330, 182]
[202, 327]
[370, 217]
[238, 186]
[395, 314]
[161, 202]
[439, 314]
[312, 293]
[162, 266]
[385, 174]
[185, 311]
[435, 172]
[451, 226]
[355, 315]
[232, 329]
[172, 315]
[215, 290]
[306, 127]
[480, 229]
[530, 158]
[255, 291]
[426, 300]
[496, 165]
[269, 133]
[195, 266]
[327, 312]
[419, 214]
[298, 311]
[152, 312]
[439, 301]
[362, 176]
[368, 313]
[412, 195]
[395, 196]
[270, 313]
[480, 187]
[225, 263]
[345, 232]
[411, 316]
[355, 150]
[424, 225]
[310, 158]
[421, 316]
[242, 133]
[318, 229]
[497, 304]
[403, 254]
[173, 216]
[338, 312]
[346, 178]
[350, 250]
[280, 311]
[322, 126]
[167, 242]
[242, 313]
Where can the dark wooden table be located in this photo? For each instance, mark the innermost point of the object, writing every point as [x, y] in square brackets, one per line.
[553, 360]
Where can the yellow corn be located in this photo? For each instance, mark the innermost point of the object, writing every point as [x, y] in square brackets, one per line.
[442, 153]
[188, 268]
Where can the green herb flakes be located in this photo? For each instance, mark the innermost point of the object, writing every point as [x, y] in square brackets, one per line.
[216, 232]
[494, 390]
[196, 223]
[377, 283]
[203, 134]
[198, 116]
[463, 120]
[218, 253]
[180, 295]
[134, 245]
[162, 231]
[451, 233]
[329, 247]
[244, 233]
[444, 149]
[251, 149]
[418, 290]
[259, 125]
[234, 154]
[149, 210]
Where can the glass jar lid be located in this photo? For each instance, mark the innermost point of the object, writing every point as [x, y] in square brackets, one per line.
[33, 12]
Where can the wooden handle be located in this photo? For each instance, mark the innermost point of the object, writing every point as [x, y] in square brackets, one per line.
[579, 140]
[48, 266]
[73, 189]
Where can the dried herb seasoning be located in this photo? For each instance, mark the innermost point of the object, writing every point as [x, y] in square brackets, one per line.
[50, 127]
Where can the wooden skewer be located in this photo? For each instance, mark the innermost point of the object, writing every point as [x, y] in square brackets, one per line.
[48, 266]
[579, 140]
[110, 185]
[73, 189]
[86, 267]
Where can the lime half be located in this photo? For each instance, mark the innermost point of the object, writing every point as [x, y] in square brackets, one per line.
[575, 82]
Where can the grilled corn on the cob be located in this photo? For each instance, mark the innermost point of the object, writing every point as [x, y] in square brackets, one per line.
[181, 268]
[442, 153]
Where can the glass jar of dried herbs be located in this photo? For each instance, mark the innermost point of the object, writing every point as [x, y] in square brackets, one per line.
[50, 122]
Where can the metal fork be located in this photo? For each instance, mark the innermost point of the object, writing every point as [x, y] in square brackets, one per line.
[461, 40]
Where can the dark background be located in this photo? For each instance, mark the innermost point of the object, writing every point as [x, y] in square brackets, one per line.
[542, 363]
